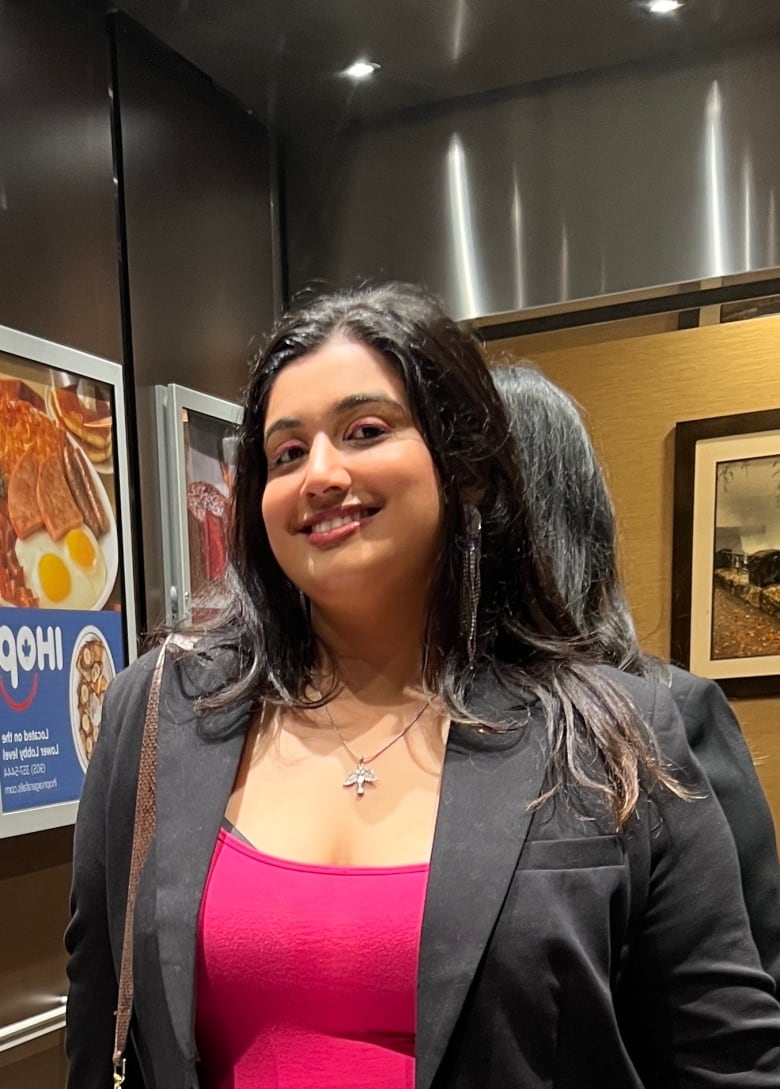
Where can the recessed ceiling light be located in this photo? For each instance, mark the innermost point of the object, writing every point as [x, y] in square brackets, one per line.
[362, 69]
[663, 7]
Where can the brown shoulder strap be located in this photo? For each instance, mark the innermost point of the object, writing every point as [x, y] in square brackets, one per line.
[143, 830]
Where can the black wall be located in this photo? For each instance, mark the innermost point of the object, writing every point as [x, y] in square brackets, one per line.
[197, 202]
[168, 270]
[58, 280]
[58, 269]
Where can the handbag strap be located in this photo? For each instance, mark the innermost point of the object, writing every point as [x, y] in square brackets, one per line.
[143, 830]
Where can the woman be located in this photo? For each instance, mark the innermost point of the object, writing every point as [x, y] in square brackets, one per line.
[453, 855]
[573, 527]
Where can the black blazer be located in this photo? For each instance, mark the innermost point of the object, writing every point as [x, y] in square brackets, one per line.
[716, 741]
[555, 954]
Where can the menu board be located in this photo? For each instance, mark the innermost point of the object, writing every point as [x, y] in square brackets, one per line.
[198, 441]
[67, 621]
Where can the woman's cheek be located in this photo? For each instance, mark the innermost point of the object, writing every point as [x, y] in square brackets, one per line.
[269, 510]
[278, 507]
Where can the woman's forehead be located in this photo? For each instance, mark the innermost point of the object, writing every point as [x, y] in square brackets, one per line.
[340, 368]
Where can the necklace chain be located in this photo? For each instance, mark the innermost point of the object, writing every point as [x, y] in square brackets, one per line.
[363, 773]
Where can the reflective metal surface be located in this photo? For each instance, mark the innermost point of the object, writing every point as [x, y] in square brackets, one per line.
[590, 185]
[199, 239]
[58, 275]
[284, 59]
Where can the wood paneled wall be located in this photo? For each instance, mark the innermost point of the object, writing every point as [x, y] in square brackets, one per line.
[634, 391]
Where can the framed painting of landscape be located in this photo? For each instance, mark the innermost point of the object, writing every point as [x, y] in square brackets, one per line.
[726, 551]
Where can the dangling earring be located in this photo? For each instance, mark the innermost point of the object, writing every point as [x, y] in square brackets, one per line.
[470, 589]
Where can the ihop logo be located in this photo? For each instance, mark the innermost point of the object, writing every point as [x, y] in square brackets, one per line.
[24, 655]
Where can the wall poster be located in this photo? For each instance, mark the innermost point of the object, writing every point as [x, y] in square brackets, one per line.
[197, 443]
[67, 615]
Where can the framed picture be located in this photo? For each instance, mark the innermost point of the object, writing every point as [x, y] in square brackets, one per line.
[197, 442]
[67, 604]
[726, 551]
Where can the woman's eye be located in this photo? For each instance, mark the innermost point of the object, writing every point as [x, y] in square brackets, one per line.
[367, 431]
[285, 456]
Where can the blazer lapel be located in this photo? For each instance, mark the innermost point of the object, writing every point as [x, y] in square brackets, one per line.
[482, 823]
[198, 776]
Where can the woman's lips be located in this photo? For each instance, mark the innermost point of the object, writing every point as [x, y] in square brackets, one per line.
[337, 527]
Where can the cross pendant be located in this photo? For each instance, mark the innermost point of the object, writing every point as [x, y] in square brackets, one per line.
[359, 777]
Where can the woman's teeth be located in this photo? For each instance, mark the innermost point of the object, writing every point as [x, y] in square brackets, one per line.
[335, 523]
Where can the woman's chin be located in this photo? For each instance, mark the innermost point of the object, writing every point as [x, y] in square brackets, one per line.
[364, 588]
[352, 590]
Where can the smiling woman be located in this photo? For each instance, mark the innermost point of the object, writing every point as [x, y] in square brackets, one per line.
[406, 835]
[355, 473]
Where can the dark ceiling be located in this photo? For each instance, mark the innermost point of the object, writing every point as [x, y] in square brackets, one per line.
[282, 58]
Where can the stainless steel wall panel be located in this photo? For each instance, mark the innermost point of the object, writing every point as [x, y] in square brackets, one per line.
[58, 275]
[200, 258]
[612, 181]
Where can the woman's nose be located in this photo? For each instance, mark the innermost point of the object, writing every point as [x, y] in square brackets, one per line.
[325, 468]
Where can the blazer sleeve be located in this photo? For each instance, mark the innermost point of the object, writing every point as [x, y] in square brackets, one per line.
[102, 847]
[710, 1018]
[716, 739]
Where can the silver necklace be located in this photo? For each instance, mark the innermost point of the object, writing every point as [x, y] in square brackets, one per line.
[363, 773]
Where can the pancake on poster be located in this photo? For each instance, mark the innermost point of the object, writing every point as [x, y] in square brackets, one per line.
[92, 667]
[87, 421]
[57, 531]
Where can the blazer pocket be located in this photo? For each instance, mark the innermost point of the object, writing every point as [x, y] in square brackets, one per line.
[584, 853]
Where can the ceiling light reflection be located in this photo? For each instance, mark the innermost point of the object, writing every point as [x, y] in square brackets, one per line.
[663, 7]
[517, 242]
[771, 229]
[462, 231]
[361, 69]
[458, 26]
[564, 264]
[715, 183]
[747, 208]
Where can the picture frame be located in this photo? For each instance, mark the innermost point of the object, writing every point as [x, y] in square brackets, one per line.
[67, 595]
[725, 608]
[197, 445]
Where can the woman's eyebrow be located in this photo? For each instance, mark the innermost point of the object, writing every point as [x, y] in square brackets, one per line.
[285, 423]
[355, 400]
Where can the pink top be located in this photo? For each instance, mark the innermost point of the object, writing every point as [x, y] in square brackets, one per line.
[307, 974]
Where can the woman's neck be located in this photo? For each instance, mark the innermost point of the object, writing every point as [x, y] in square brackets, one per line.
[377, 659]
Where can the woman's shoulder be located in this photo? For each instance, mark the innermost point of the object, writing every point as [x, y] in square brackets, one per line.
[649, 696]
[197, 671]
[135, 678]
[689, 689]
[511, 692]
[658, 708]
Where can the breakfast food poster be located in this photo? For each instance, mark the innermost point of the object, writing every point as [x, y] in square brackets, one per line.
[61, 613]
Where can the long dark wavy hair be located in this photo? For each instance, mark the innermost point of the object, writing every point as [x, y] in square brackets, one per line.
[525, 636]
[571, 516]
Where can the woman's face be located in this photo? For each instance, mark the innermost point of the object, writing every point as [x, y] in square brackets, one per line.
[351, 504]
